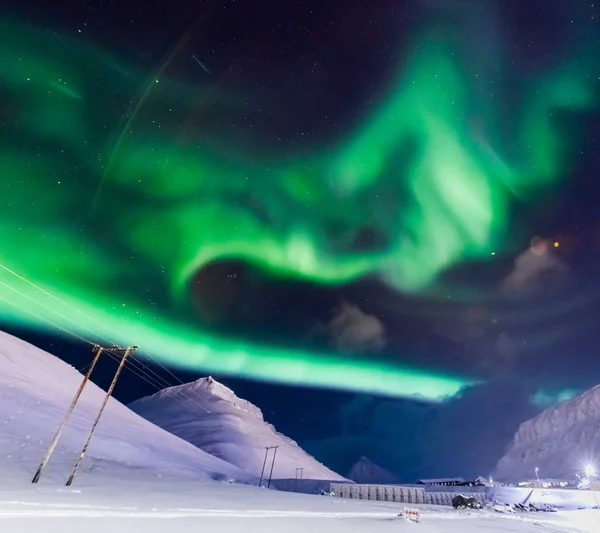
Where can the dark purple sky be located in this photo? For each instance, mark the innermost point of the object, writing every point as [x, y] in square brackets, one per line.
[339, 53]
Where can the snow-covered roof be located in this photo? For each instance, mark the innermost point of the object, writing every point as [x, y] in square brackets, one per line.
[442, 480]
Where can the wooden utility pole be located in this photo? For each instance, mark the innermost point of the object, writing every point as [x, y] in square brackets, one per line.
[272, 465]
[300, 471]
[262, 473]
[98, 351]
[126, 352]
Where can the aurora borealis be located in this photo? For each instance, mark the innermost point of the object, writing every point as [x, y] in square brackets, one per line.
[116, 190]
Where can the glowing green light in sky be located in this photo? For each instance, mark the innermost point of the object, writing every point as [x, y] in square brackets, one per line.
[544, 398]
[107, 204]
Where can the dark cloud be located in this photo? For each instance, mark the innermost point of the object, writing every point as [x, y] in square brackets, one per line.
[463, 437]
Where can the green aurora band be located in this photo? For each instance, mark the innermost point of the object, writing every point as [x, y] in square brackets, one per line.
[111, 209]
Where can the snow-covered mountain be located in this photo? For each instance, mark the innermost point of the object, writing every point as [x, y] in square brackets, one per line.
[212, 417]
[35, 390]
[365, 471]
[560, 441]
[143, 478]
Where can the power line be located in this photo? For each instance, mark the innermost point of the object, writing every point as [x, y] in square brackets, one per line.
[48, 309]
[51, 310]
[53, 296]
[78, 311]
[71, 333]
[47, 321]
[145, 373]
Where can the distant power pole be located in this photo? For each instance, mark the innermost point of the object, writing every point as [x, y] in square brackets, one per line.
[98, 351]
[272, 465]
[299, 473]
[126, 352]
[262, 473]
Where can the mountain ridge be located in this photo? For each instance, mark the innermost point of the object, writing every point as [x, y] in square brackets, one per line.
[211, 416]
[559, 441]
[366, 471]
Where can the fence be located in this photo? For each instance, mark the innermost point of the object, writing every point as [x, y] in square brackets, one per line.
[393, 493]
[445, 498]
[382, 493]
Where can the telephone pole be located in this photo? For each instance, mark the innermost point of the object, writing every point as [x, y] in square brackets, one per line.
[262, 473]
[98, 351]
[272, 465]
[299, 473]
[126, 352]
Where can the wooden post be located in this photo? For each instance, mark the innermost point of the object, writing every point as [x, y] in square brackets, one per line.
[272, 465]
[53, 444]
[126, 353]
[262, 473]
[298, 471]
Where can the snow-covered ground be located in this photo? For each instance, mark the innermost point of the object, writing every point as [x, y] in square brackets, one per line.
[139, 478]
[140, 503]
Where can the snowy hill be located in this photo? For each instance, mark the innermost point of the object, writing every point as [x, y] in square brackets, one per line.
[365, 471]
[35, 390]
[560, 441]
[144, 479]
[212, 417]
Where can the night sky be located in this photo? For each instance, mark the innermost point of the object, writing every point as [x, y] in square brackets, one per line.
[354, 208]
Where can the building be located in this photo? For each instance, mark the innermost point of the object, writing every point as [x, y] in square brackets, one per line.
[455, 482]
[446, 482]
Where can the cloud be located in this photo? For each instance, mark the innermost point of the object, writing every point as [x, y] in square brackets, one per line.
[353, 330]
[463, 437]
[484, 342]
[506, 348]
[544, 398]
[534, 269]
